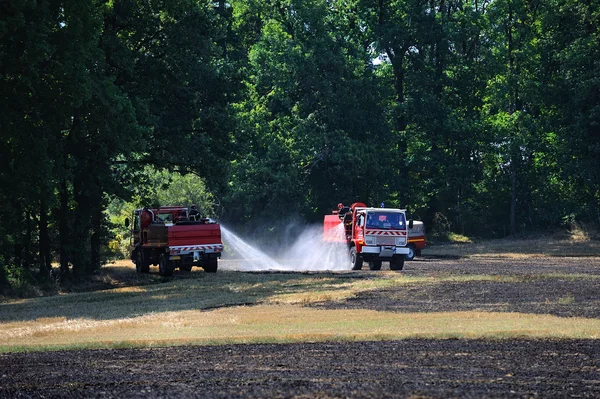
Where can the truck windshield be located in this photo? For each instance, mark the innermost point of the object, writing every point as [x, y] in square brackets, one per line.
[386, 220]
[165, 217]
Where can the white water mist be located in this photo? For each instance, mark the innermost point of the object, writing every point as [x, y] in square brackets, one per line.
[306, 252]
[310, 252]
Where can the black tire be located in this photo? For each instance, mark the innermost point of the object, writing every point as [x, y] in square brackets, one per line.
[211, 265]
[138, 261]
[165, 266]
[141, 264]
[411, 252]
[397, 263]
[375, 265]
[356, 260]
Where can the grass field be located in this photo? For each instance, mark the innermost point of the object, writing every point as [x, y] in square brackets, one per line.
[235, 307]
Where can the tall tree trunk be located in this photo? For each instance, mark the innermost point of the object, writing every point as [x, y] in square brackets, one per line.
[3, 278]
[459, 222]
[18, 259]
[513, 197]
[63, 229]
[65, 222]
[80, 254]
[222, 42]
[97, 231]
[397, 59]
[396, 53]
[513, 98]
[27, 251]
[45, 259]
[80, 227]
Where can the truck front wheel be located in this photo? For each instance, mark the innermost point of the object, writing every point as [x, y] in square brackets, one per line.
[141, 264]
[355, 259]
[165, 266]
[397, 263]
[411, 252]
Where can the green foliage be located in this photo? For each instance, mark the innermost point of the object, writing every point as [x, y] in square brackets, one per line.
[311, 127]
[164, 188]
[94, 91]
[487, 113]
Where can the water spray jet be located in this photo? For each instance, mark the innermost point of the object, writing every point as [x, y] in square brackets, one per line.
[308, 252]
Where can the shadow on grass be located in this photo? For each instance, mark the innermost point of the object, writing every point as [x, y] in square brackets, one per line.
[110, 277]
[135, 294]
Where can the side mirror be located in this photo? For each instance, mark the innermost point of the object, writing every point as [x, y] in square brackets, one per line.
[410, 224]
[127, 222]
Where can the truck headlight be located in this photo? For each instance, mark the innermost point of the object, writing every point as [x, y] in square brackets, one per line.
[369, 240]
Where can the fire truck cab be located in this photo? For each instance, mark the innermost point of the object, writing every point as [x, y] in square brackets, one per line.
[373, 235]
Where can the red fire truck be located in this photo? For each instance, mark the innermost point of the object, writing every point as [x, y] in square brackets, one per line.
[373, 235]
[172, 238]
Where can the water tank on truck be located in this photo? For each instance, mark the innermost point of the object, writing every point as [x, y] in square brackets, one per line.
[172, 238]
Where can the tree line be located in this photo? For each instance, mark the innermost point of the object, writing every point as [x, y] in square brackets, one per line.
[479, 115]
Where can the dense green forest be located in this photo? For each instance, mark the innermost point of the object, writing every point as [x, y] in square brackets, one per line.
[480, 117]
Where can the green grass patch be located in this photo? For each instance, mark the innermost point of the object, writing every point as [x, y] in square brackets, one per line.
[569, 299]
[459, 238]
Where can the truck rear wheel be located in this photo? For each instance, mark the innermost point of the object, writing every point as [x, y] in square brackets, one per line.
[141, 264]
[356, 260]
[375, 265]
[210, 265]
[165, 266]
[397, 263]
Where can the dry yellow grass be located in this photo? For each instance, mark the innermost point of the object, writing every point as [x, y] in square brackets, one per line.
[284, 323]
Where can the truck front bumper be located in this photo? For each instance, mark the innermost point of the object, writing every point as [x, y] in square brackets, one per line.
[384, 251]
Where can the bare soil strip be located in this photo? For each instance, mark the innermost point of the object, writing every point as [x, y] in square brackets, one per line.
[393, 369]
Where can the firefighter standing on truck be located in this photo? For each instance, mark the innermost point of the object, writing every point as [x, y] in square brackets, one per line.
[194, 213]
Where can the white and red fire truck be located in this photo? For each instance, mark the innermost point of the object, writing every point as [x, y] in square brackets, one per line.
[372, 235]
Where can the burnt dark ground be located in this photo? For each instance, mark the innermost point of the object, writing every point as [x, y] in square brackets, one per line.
[559, 286]
[521, 368]
[412, 368]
